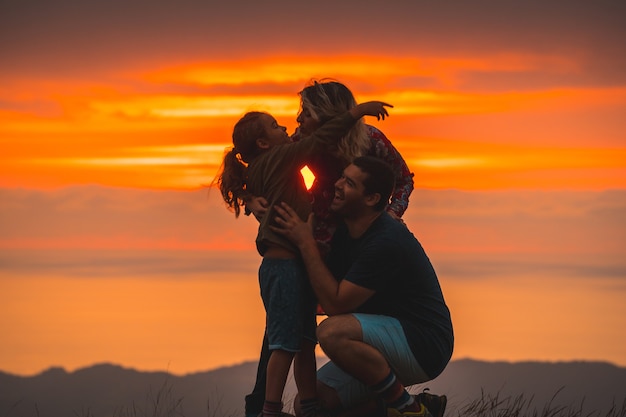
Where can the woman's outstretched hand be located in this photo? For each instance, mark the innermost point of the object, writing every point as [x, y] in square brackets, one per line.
[371, 108]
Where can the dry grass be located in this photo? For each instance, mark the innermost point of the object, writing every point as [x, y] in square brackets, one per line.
[164, 403]
[521, 406]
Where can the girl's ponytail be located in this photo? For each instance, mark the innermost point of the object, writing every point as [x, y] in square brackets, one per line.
[232, 177]
[231, 181]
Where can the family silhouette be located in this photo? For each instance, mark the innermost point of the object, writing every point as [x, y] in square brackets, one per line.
[339, 249]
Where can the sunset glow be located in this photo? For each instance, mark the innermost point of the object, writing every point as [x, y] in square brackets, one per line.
[114, 120]
[178, 141]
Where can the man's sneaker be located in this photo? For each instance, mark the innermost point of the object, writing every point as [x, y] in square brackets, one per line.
[436, 404]
[423, 412]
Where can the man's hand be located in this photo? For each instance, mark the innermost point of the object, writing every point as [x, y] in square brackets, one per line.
[292, 227]
[335, 297]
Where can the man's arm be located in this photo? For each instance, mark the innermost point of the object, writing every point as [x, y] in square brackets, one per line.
[335, 297]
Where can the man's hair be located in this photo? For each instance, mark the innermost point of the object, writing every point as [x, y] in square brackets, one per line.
[380, 179]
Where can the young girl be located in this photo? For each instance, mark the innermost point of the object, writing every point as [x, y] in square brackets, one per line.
[265, 162]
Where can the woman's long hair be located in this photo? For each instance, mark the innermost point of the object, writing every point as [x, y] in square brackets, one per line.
[327, 99]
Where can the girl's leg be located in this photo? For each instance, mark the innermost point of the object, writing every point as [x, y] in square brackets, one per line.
[304, 370]
[277, 371]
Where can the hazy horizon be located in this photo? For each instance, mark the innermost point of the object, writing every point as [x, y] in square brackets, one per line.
[182, 293]
[321, 359]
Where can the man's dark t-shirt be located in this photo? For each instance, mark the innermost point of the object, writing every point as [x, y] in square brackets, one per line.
[388, 259]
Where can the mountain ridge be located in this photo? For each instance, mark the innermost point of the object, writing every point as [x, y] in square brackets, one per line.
[105, 389]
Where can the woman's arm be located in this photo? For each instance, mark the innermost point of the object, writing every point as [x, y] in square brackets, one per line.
[384, 149]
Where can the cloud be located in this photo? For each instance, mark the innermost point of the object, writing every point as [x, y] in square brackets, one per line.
[157, 263]
[86, 84]
[98, 231]
[72, 38]
[474, 235]
[103, 217]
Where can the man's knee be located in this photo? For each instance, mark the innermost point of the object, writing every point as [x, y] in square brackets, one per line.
[335, 330]
[325, 331]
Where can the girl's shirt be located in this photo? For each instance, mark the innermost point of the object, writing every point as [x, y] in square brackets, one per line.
[275, 175]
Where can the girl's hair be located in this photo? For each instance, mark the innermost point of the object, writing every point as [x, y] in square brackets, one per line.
[232, 177]
[328, 98]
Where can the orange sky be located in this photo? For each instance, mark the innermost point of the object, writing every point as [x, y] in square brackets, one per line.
[511, 117]
[104, 133]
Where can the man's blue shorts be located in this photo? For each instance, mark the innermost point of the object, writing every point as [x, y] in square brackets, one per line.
[385, 334]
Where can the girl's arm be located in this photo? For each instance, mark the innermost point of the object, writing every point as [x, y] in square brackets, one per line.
[324, 137]
[255, 205]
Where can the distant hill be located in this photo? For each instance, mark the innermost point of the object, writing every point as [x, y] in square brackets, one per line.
[110, 390]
